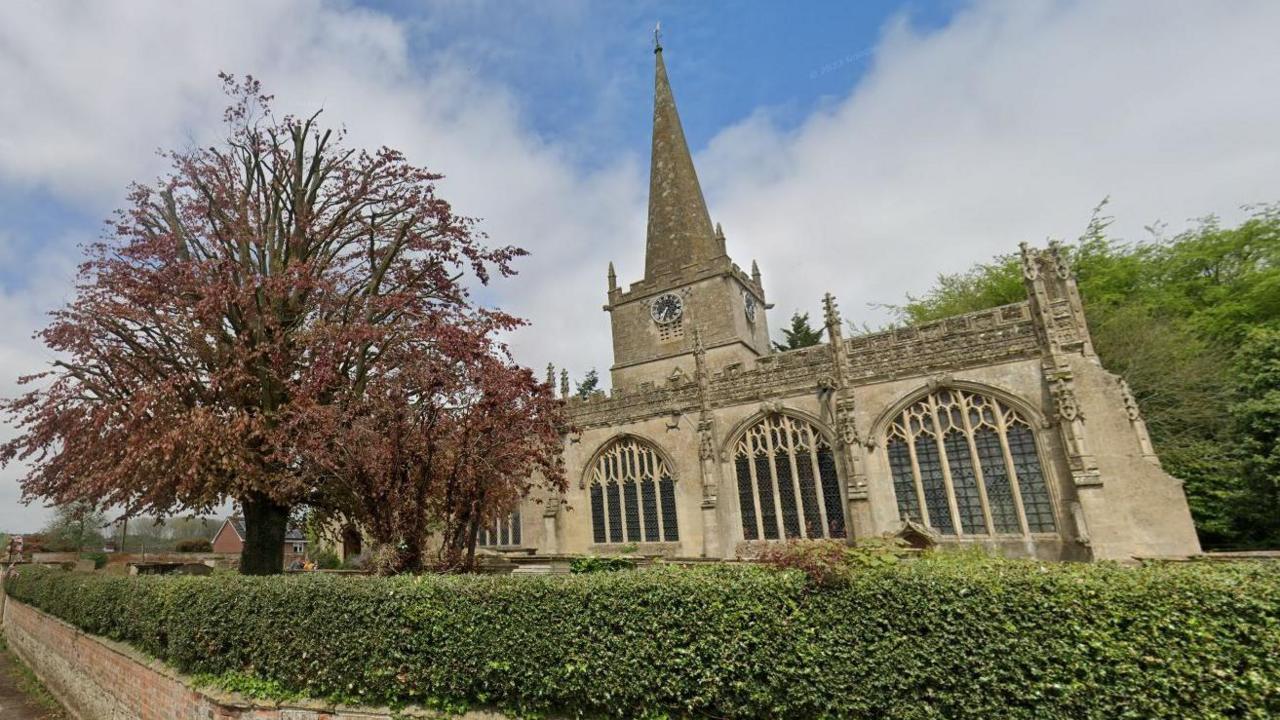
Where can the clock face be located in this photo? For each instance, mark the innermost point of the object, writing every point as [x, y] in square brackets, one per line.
[666, 308]
[749, 306]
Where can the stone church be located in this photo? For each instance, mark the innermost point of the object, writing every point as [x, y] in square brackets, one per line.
[998, 428]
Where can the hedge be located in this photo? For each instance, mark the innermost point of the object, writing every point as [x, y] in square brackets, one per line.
[935, 638]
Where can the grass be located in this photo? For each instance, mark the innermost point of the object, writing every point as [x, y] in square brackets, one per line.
[30, 685]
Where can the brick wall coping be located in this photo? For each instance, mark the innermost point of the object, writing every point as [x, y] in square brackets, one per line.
[72, 664]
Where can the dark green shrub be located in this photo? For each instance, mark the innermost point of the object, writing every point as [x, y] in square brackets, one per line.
[944, 637]
[193, 545]
[593, 564]
[327, 560]
[99, 559]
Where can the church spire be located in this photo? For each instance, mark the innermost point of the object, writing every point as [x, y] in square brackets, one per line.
[680, 230]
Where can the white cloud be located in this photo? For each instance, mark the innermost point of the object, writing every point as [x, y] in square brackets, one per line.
[1007, 125]
[49, 272]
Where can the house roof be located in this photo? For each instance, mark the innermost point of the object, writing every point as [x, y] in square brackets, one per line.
[291, 535]
[237, 524]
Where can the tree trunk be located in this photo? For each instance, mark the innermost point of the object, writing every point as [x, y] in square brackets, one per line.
[265, 523]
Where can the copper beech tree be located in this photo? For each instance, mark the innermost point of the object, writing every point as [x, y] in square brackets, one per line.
[445, 445]
[270, 301]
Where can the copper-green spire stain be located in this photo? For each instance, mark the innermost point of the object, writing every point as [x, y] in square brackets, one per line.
[680, 229]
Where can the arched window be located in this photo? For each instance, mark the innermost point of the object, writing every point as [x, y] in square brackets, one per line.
[633, 497]
[787, 483]
[966, 464]
[504, 531]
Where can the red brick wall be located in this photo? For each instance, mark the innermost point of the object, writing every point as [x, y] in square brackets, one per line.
[226, 541]
[97, 679]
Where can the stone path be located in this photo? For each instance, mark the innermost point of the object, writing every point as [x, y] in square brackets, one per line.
[14, 703]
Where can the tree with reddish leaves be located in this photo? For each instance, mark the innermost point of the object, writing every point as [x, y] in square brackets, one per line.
[240, 300]
[452, 440]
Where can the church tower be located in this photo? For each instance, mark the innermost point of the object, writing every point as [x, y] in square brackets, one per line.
[690, 285]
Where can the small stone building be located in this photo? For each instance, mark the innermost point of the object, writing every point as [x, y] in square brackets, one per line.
[998, 428]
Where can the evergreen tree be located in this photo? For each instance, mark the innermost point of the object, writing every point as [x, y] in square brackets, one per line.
[799, 335]
[589, 384]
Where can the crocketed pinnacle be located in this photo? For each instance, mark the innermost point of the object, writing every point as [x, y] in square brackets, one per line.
[680, 230]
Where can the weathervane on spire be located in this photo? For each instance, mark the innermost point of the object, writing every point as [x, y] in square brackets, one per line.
[657, 36]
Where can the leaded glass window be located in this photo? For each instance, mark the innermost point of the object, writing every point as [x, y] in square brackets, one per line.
[633, 496]
[503, 532]
[787, 482]
[747, 498]
[966, 464]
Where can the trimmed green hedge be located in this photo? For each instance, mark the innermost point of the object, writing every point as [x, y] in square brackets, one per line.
[935, 638]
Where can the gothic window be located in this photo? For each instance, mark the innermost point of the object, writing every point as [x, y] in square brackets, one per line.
[503, 532]
[633, 497]
[966, 464]
[787, 482]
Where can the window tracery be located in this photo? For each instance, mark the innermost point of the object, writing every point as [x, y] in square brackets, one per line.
[787, 481]
[633, 495]
[965, 463]
[503, 532]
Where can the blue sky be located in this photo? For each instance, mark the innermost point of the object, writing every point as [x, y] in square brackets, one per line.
[583, 73]
[853, 147]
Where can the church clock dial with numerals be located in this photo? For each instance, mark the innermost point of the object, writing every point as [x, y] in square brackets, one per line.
[749, 306]
[667, 308]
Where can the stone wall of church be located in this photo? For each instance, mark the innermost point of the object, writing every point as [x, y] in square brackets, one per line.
[998, 427]
[714, 298]
[1104, 494]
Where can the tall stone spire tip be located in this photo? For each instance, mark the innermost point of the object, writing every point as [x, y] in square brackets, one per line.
[680, 231]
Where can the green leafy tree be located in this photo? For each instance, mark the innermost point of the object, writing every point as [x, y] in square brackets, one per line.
[590, 383]
[1257, 420]
[799, 335]
[1174, 316]
[75, 527]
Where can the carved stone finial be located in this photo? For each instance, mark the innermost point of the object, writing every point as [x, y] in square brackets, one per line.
[830, 311]
[1060, 266]
[613, 278]
[755, 272]
[1030, 268]
[564, 384]
[551, 375]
